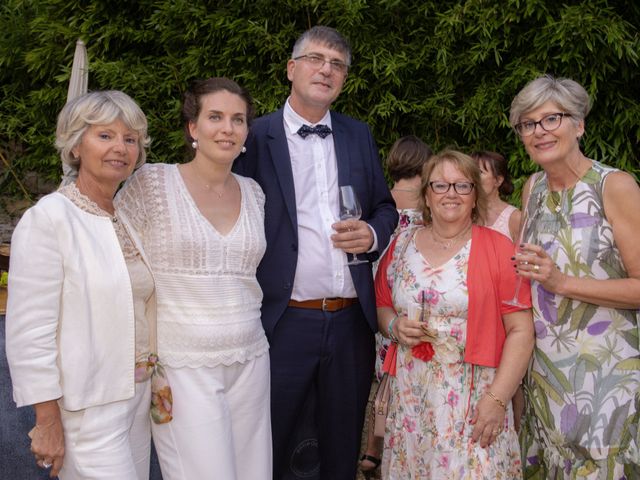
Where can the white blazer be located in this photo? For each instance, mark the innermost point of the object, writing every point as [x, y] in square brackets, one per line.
[70, 319]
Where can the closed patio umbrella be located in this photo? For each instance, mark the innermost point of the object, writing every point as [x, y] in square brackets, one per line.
[78, 85]
[79, 72]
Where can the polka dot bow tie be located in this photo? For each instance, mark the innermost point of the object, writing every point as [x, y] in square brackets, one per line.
[321, 130]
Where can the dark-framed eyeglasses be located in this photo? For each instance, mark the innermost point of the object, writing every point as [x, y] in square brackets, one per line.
[461, 188]
[548, 123]
[318, 61]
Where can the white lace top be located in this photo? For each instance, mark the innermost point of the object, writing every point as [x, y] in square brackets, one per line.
[208, 297]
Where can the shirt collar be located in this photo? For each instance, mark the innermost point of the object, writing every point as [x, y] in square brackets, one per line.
[293, 121]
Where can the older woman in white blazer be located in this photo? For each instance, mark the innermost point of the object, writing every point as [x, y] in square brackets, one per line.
[81, 303]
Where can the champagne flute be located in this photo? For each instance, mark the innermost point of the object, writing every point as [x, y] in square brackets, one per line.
[350, 210]
[515, 301]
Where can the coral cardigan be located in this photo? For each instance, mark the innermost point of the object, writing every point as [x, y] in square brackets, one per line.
[491, 279]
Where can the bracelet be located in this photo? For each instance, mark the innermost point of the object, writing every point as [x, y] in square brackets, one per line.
[393, 338]
[499, 402]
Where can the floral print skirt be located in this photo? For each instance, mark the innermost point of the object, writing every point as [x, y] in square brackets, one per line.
[428, 432]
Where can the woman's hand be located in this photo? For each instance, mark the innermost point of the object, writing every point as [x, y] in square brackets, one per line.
[47, 437]
[534, 263]
[408, 332]
[488, 421]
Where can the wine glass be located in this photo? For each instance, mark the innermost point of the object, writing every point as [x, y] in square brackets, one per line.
[350, 210]
[515, 301]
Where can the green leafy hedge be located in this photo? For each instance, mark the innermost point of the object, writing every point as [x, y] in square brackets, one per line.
[443, 70]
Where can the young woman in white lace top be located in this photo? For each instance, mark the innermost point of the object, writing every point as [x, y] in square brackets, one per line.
[203, 230]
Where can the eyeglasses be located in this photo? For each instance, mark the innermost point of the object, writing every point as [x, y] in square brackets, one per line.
[548, 123]
[461, 188]
[316, 61]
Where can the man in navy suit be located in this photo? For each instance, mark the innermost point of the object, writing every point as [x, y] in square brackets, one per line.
[318, 312]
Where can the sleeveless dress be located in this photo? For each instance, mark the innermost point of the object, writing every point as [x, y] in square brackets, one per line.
[583, 384]
[502, 222]
[428, 431]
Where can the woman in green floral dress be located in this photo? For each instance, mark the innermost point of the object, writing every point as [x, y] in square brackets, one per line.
[582, 255]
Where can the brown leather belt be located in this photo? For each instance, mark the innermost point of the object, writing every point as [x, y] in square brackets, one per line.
[325, 304]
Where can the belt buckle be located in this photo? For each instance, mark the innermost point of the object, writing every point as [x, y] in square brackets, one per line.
[324, 305]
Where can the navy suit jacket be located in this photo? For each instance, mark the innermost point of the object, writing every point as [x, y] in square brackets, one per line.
[267, 161]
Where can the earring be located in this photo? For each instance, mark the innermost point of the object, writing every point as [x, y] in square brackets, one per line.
[194, 144]
[243, 149]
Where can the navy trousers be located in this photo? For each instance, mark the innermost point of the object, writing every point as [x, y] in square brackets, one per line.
[325, 361]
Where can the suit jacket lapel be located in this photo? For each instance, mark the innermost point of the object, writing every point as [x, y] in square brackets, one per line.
[279, 151]
[342, 151]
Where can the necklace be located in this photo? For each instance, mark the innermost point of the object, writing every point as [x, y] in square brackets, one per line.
[556, 199]
[209, 187]
[218, 194]
[447, 243]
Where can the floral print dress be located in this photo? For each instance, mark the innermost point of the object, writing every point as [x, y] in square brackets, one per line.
[584, 382]
[428, 435]
[408, 218]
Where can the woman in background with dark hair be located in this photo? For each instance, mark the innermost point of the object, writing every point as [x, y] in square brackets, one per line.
[203, 229]
[503, 218]
[404, 163]
[496, 183]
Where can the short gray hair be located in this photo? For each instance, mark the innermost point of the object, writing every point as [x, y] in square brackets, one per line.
[98, 108]
[568, 94]
[327, 36]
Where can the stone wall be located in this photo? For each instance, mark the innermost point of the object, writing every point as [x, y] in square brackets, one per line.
[11, 209]
[13, 206]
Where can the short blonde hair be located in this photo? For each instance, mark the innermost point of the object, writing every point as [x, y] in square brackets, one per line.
[98, 108]
[469, 168]
[568, 94]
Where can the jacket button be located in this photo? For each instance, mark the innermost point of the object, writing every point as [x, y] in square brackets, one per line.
[294, 247]
[286, 286]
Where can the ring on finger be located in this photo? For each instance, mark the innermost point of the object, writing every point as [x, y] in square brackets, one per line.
[536, 268]
[46, 464]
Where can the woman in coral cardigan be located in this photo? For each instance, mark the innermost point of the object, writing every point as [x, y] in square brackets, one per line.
[459, 363]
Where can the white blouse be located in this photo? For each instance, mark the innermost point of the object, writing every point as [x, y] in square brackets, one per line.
[207, 293]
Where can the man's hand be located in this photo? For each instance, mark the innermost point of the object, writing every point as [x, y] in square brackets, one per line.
[352, 236]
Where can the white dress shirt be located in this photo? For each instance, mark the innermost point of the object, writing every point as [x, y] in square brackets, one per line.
[322, 270]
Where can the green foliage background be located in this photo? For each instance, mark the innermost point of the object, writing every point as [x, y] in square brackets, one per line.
[443, 70]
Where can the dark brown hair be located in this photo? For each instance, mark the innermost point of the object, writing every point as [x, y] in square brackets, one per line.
[407, 157]
[192, 102]
[496, 164]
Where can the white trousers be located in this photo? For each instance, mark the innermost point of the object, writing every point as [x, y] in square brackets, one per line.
[111, 441]
[221, 427]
